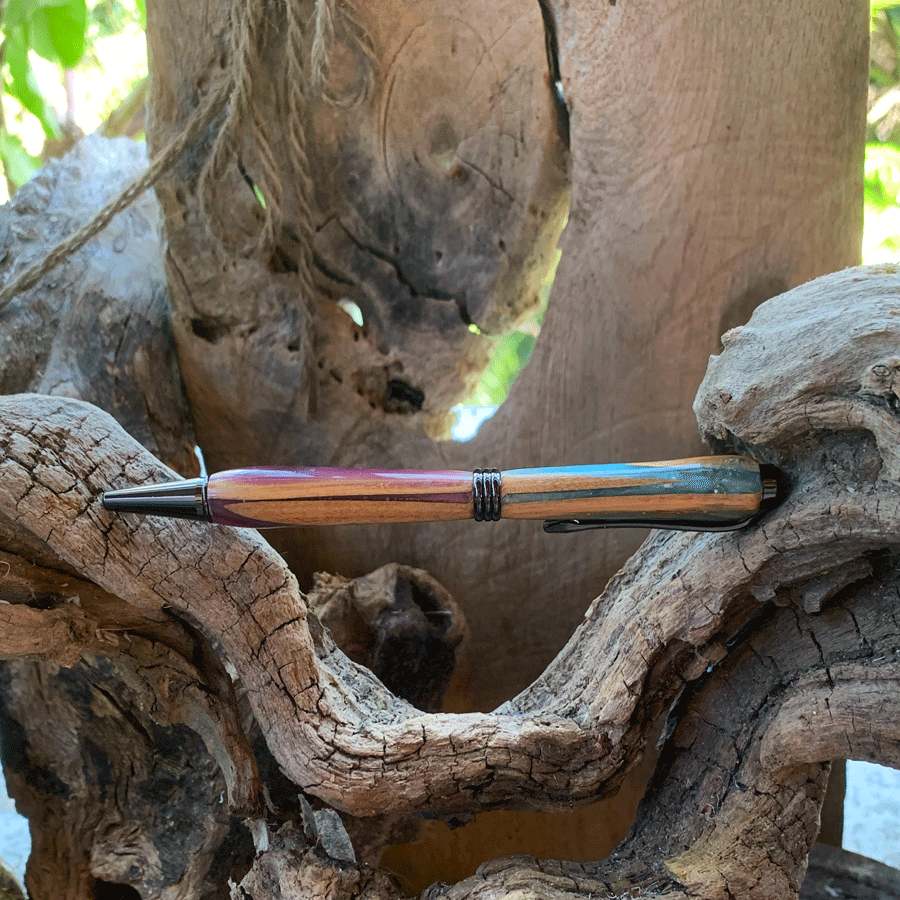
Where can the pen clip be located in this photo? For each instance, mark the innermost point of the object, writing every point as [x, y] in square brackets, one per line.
[775, 487]
[567, 526]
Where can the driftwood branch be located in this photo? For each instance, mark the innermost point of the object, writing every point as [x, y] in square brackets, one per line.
[437, 204]
[772, 649]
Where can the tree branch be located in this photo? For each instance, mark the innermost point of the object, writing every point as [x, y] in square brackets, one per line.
[669, 617]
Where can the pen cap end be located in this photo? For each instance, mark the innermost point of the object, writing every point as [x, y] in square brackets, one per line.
[775, 486]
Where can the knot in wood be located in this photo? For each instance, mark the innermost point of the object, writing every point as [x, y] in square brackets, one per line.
[882, 378]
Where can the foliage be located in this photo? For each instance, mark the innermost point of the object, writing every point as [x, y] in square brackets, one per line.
[882, 170]
[56, 32]
[511, 352]
[64, 34]
[882, 194]
[508, 359]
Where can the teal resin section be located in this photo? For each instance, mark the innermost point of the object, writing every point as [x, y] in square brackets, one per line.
[646, 480]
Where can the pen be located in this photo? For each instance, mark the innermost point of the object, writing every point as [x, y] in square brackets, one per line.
[714, 493]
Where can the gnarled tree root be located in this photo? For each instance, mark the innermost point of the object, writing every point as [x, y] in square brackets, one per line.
[773, 649]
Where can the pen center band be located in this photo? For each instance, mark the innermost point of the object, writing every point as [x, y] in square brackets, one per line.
[486, 495]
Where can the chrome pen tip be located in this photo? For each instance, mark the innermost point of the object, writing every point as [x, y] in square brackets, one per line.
[172, 499]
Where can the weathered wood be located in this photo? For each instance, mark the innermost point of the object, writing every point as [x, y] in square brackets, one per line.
[291, 868]
[161, 676]
[695, 196]
[162, 823]
[10, 889]
[57, 616]
[836, 874]
[734, 806]
[671, 240]
[99, 327]
[437, 203]
[398, 622]
[668, 244]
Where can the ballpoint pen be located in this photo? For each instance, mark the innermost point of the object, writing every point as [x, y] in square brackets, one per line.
[716, 493]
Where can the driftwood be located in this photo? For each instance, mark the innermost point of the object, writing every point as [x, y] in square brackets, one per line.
[668, 244]
[670, 241]
[176, 715]
[774, 650]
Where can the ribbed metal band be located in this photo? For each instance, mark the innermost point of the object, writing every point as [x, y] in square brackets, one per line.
[486, 495]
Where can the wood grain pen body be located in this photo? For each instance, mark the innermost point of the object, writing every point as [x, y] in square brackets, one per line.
[261, 497]
[708, 488]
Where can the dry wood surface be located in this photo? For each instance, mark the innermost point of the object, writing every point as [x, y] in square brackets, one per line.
[178, 718]
[795, 619]
[690, 200]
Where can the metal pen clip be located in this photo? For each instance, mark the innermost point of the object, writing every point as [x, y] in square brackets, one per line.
[567, 526]
[775, 488]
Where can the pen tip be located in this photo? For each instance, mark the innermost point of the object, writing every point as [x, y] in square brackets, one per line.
[172, 499]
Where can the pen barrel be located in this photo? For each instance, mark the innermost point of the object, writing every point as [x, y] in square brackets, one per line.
[272, 498]
[704, 491]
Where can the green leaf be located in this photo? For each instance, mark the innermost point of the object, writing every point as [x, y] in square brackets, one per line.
[59, 31]
[882, 233]
[111, 17]
[17, 12]
[892, 15]
[881, 192]
[509, 357]
[23, 85]
[142, 9]
[881, 77]
[40, 37]
[882, 168]
[18, 163]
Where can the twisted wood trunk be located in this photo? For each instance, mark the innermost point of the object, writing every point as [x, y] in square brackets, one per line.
[177, 716]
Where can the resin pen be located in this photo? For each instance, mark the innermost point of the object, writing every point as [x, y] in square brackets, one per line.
[715, 493]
